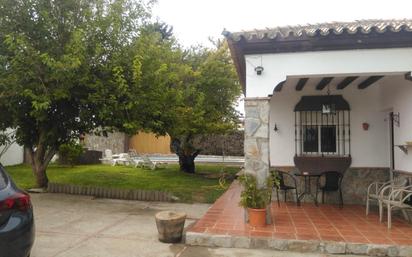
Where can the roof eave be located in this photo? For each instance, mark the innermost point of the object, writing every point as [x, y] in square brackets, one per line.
[345, 41]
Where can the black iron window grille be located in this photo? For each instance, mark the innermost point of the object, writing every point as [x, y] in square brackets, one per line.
[319, 132]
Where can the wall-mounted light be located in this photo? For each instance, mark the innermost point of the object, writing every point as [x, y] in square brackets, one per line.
[275, 128]
[328, 109]
[365, 126]
[259, 70]
[396, 117]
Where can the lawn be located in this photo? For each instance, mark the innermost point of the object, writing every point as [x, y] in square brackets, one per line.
[203, 186]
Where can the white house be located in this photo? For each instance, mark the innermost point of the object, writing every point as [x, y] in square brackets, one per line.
[333, 96]
[14, 154]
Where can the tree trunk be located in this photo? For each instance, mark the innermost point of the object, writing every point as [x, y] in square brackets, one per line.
[187, 163]
[41, 177]
[186, 153]
[39, 160]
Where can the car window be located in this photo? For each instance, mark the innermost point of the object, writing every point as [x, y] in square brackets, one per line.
[3, 180]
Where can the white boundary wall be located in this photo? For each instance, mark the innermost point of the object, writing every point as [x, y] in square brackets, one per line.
[13, 156]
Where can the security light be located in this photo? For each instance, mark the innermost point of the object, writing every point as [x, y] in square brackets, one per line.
[259, 70]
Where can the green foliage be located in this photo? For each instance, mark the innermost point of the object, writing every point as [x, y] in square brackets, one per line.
[69, 153]
[183, 93]
[252, 196]
[274, 176]
[64, 68]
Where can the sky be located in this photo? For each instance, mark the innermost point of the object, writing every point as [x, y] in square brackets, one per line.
[194, 21]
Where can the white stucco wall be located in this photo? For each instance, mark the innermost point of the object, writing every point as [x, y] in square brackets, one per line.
[368, 148]
[13, 156]
[397, 96]
[278, 66]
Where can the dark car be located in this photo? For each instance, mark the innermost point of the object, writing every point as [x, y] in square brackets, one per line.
[16, 219]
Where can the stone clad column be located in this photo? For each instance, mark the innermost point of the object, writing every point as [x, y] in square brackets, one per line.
[257, 141]
[257, 138]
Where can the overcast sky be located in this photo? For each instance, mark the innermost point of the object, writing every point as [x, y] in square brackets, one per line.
[195, 20]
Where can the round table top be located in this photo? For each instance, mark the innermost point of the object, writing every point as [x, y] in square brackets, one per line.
[307, 174]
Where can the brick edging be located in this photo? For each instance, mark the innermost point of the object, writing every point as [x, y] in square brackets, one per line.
[113, 193]
[312, 246]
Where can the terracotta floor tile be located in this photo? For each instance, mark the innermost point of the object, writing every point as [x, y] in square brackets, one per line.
[284, 235]
[307, 237]
[306, 231]
[305, 222]
[216, 231]
[261, 233]
[349, 233]
[331, 238]
[226, 227]
[285, 230]
[403, 241]
[269, 228]
[355, 239]
[327, 231]
[378, 240]
[198, 229]
[238, 232]
[205, 223]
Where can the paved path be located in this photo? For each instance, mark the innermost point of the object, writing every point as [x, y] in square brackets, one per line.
[78, 226]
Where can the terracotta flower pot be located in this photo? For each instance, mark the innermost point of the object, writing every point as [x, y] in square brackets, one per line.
[257, 217]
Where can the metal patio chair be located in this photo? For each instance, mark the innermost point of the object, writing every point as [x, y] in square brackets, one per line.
[284, 187]
[375, 188]
[398, 198]
[332, 182]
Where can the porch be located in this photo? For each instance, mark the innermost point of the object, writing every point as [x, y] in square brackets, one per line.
[325, 229]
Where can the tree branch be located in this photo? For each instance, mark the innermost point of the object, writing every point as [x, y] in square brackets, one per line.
[49, 155]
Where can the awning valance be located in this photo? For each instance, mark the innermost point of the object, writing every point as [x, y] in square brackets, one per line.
[315, 103]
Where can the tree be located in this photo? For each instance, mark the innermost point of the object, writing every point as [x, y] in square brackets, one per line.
[64, 71]
[207, 105]
[184, 93]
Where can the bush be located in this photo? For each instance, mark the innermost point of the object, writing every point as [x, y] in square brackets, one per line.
[252, 196]
[69, 153]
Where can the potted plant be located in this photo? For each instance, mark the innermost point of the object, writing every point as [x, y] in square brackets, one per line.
[255, 199]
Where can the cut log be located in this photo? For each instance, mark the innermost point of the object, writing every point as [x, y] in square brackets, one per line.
[170, 226]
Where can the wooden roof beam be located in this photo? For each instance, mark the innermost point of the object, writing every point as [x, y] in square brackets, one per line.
[346, 82]
[301, 83]
[408, 76]
[323, 83]
[279, 86]
[369, 81]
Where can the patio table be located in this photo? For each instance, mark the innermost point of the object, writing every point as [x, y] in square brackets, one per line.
[307, 192]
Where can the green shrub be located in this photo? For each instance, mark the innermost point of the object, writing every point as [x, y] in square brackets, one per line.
[252, 196]
[69, 153]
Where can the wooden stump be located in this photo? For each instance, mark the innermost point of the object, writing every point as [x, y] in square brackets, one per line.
[170, 226]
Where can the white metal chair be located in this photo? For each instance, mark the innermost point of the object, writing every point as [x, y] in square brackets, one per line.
[108, 157]
[122, 158]
[147, 163]
[114, 159]
[397, 198]
[135, 158]
[375, 188]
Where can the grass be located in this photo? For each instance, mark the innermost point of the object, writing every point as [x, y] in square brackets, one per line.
[200, 187]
